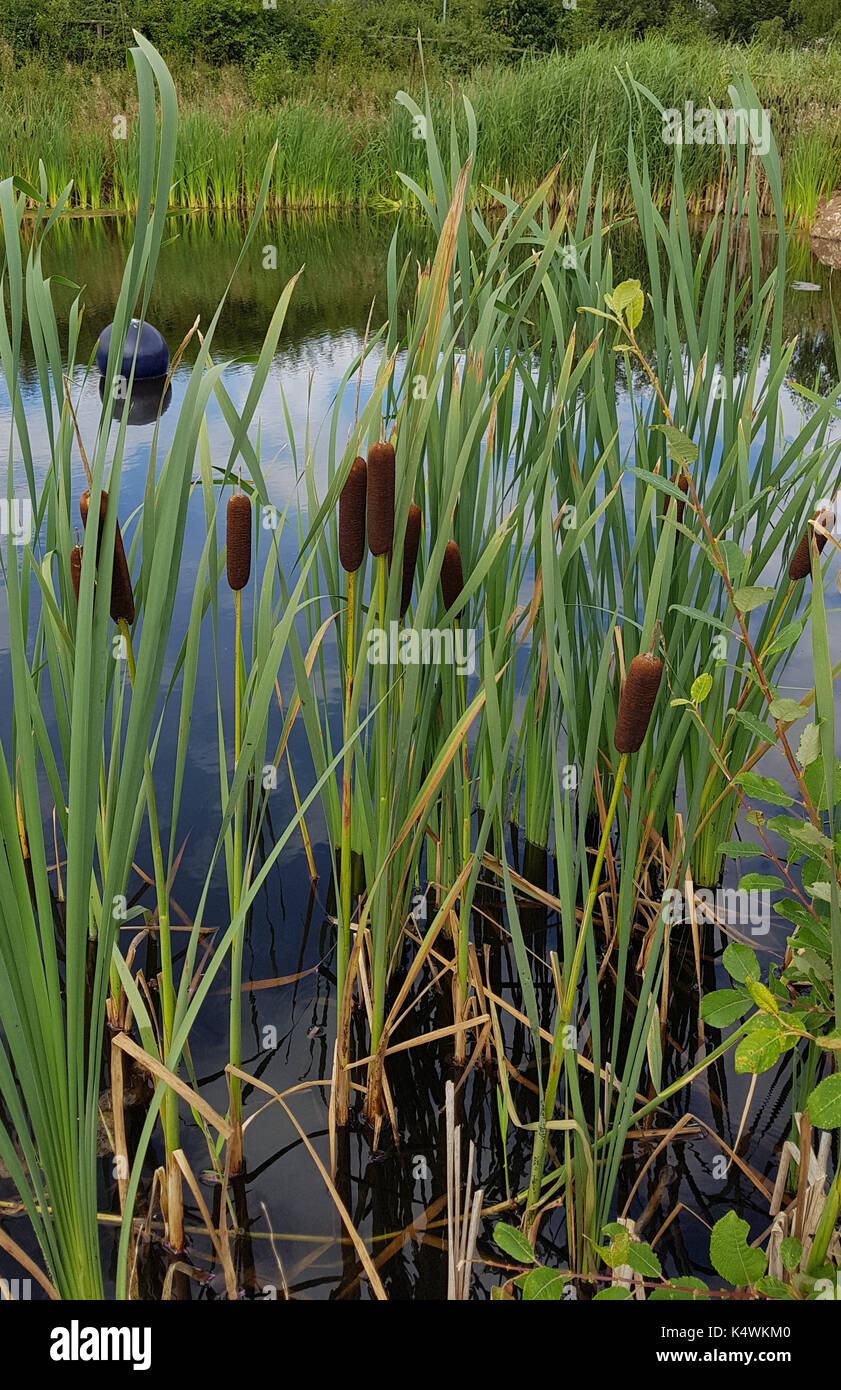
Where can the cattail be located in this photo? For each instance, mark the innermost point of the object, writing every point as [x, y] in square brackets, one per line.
[410, 556]
[76, 569]
[636, 702]
[380, 498]
[452, 578]
[122, 598]
[683, 483]
[801, 562]
[352, 517]
[239, 540]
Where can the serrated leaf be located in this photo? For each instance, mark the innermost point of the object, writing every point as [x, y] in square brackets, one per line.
[643, 1260]
[614, 1294]
[824, 1103]
[775, 1288]
[513, 1242]
[764, 788]
[758, 882]
[681, 448]
[730, 1254]
[752, 596]
[687, 1289]
[740, 961]
[739, 849]
[809, 747]
[786, 637]
[543, 1285]
[789, 711]
[808, 834]
[764, 732]
[791, 1253]
[701, 687]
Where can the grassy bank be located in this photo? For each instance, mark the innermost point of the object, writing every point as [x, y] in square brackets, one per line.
[341, 139]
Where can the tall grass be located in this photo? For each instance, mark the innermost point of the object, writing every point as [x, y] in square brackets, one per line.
[500, 391]
[340, 142]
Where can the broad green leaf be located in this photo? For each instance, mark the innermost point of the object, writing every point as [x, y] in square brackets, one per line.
[791, 1253]
[701, 687]
[753, 882]
[789, 711]
[809, 747]
[543, 1285]
[824, 1103]
[759, 1050]
[513, 1242]
[752, 596]
[686, 1289]
[741, 849]
[628, 302]
[643, 1260]
[730, 1254]
[764, 789]
[740, 961]
[723, 1006]
[681, 448]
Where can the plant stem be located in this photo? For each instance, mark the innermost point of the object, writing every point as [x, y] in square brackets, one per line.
[559, 1051]
[169, 1107]
[235, 1029]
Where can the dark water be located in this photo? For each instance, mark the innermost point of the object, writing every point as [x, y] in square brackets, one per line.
[290, 932]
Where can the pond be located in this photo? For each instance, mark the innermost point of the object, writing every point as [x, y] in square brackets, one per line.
[289, 1231]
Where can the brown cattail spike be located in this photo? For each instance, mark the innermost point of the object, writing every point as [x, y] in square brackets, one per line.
[380, 498]
[410, 556]
[801, 562]
[681, 481]
[122, 598]
[636, 702]
[239, 540]
[452, 578]
[76, 569]
[352, 517]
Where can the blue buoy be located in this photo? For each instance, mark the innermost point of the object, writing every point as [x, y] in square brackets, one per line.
[152, 351]
[148, 400]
